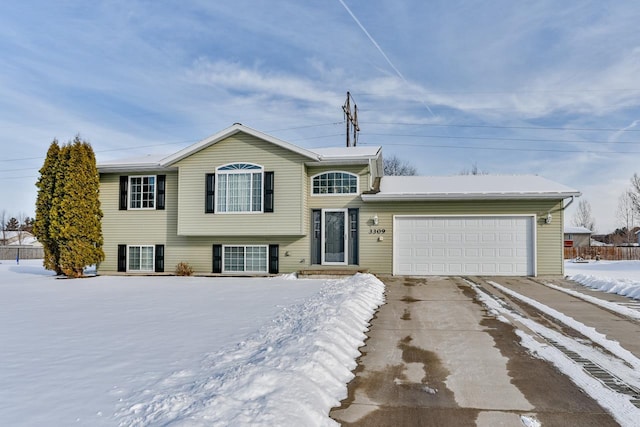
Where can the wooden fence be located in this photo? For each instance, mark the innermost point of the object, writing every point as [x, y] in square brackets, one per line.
[613, 253]
[23, 252]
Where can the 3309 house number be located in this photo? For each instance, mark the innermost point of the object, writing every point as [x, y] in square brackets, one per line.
[377, 231]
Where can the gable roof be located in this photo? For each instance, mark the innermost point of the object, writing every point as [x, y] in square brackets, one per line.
[465, 187]
[230, 131]
[336, 155]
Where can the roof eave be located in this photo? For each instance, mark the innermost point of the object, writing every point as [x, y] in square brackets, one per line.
[337, 161]
[129, 167]
[396, 197]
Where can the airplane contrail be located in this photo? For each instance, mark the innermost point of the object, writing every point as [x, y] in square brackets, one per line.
[384, 55]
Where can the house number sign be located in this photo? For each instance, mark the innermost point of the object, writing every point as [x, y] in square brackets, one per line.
[377, 231]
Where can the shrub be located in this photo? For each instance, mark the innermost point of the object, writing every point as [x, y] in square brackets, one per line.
[184, 269]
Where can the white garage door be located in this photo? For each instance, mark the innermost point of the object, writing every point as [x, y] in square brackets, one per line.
[456, 245]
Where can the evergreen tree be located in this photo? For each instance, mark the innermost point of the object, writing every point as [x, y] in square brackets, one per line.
[13, 224]
[79, 230]
[44, 206]
[68, 215]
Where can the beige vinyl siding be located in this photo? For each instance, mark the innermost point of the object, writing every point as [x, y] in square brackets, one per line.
[198, 251]
[288, 167]
[377, 255]
[159, 227]
[135, 226]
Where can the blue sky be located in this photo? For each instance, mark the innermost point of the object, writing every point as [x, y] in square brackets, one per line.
[544, 87]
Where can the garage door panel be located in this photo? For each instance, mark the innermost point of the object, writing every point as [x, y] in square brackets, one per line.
[464, 245]
[471, 252]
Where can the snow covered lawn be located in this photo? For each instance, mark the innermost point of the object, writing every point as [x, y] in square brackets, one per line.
[111, 351]
[619, 277]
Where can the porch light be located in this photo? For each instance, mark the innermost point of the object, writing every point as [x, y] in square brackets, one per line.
[375, 219]
[548, 219]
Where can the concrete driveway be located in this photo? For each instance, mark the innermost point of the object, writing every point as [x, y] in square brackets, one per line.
[435, 358]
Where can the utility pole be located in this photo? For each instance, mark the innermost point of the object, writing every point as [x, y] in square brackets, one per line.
[351, 120]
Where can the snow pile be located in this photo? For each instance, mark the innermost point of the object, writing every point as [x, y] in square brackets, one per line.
[291, 372]
[93, 351]
[617, 277]
[611, 306]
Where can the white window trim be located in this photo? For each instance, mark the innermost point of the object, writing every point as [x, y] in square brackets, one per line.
[357, 177]
[153, 258]
[130, 193]
[245, 258]
[238, 171]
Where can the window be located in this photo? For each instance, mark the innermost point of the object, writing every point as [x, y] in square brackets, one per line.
[140, 258]
[245, 258]
[335, 183]
[142, 192]
[239, 188]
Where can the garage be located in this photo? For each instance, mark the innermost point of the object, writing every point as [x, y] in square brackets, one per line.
[464, 245]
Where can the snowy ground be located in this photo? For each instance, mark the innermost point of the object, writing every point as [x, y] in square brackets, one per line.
[619, 277]
[111, 351]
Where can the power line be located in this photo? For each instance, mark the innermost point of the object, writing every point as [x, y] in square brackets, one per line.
[497, 138]
[464, 147]
[504, 127]
[306, 127]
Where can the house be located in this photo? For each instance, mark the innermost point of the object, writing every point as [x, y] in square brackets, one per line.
[19, 237]
[244, 202]
[577, 237]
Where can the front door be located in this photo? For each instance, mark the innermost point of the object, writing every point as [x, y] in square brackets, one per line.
[334, 236]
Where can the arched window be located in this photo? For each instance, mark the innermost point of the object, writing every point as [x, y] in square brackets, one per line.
[239, 188]
[334, 182]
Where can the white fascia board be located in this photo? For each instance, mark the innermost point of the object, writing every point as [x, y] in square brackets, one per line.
[344, 160]
[340, 162]
[230, 131]
[466, 196]
[132, 167]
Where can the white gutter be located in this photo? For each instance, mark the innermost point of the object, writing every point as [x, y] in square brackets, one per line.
[400, 197]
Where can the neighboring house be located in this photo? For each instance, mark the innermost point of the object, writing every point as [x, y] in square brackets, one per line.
[243, 202]
[577, 237]
[18, 238]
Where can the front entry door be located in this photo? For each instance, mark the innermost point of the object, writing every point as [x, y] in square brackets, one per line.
[334, 236]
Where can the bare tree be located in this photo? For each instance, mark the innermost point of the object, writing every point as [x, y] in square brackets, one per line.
[3, 224]
[582, 217]
[626, 216]
[22, 217]
[395, 166]
[634, 193]
[473, 171]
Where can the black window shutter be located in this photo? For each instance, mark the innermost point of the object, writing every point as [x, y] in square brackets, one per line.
[316, 237]
[273, 259]
[159, 258]
[268, 192]
[122, 258]
[217, 258]
[353, 236]
[161, 191]
[124, 185]
[210, 193]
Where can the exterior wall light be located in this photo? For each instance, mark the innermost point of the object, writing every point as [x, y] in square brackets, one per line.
[548, 219]
[375, 219]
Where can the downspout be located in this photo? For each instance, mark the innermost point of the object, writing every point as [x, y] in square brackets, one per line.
[568, 204]
[563, 208]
